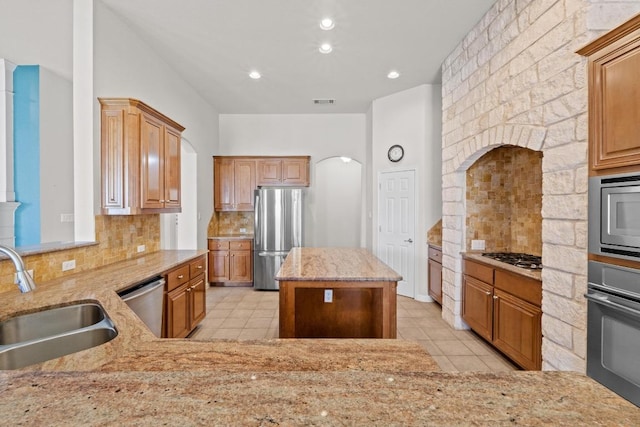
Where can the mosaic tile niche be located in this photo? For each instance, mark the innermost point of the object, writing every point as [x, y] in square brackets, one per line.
[504, 200]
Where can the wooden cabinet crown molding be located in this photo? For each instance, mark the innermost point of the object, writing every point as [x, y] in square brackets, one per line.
[132, 102]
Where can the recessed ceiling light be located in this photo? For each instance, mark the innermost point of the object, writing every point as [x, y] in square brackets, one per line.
[393, 74]
[255, 75]
[327, 24]
[325, 48]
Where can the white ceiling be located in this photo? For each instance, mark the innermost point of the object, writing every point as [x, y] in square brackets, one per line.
[214, 44]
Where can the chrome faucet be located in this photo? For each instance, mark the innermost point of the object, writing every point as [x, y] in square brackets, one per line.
[25, 281]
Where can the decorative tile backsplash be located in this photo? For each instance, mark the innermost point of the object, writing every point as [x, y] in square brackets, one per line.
[118, 239]
[230, 223]
[504, 200]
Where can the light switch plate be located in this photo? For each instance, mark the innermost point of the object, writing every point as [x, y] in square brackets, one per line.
[69, 265]
[328, 295]
[142, 248]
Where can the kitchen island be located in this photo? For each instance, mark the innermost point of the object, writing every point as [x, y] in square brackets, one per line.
[336, 293]
[138, 379]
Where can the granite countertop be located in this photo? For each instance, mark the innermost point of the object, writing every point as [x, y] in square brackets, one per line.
[139, 379]
[477, 256]
[231, 236]
[335, 264]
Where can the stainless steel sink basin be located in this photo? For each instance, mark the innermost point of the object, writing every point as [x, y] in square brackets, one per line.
[54, 332]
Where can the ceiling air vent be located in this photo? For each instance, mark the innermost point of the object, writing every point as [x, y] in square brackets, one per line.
[324, 101]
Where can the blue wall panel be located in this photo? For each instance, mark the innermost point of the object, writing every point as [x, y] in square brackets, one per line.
[26, 152]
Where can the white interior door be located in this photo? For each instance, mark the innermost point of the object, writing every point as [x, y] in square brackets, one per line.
[396, 226]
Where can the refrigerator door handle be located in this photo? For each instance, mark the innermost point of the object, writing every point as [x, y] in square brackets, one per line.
[256, 206]
[273, 254]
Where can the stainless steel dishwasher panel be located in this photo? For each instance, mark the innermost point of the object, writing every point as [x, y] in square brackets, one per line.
[145, 299]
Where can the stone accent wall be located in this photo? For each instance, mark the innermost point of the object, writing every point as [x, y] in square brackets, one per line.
[230, 223]
[515, 79]
[118, 238]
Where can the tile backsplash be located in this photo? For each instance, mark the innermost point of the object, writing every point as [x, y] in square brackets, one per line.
[222, 223]
[118, 238]
[504, 200]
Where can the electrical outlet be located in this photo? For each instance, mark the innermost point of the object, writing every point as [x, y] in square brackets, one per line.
[141, 248]
[69, 265]
[243, 230]
[477, 245]
[15, 276]
[328, 295]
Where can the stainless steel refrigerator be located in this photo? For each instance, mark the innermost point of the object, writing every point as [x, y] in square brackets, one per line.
[277, 229]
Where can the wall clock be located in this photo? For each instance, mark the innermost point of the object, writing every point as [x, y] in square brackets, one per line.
[396, 153]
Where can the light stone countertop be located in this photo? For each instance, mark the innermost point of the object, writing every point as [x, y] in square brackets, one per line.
[231, 236]
[335, 264]
[138, 379]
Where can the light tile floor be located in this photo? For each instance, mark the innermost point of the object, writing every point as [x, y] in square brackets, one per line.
[244, 314]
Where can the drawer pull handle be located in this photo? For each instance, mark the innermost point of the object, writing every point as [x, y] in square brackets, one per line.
[495, 297]
[199, 267]
[180, 276]
[488, 293]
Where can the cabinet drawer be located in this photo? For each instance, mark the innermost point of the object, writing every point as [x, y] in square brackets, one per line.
[197, 267]
[236, 245]
[435, 254]
[215, 245]
[479, 271]
[177, 277]
[526, 288]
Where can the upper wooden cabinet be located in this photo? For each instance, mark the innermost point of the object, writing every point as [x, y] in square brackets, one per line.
[235, 178]
[140, 159]
[614, 104]
[234, 182]
[283, 171]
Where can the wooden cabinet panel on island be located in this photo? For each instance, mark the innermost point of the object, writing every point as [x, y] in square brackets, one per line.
[505, 309]
[140, 159]
[614, 105]
[230, 261]
[185, 302]
[435, 273]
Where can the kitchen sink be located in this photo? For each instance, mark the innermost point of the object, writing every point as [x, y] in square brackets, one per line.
[53, 332]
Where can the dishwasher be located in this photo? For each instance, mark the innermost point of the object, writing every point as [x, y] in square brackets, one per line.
[145, 299]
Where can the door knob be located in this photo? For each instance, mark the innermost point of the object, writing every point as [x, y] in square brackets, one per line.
[409, 240]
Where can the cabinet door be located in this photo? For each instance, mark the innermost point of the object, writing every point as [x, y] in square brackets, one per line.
[223, 183]
[198, 300]
[435, 281]
[172, 168]
[614, 106]
[178, 320]
[477, 306]
[151, 162]
[295, 172]
[218, 266]
[112, 158]
[240, 266]
[268, 172]
[244, 184]
[517, 330]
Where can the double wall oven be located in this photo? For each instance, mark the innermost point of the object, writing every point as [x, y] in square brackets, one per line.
[613, 320]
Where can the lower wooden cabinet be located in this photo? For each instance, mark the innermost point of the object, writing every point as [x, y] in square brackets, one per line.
[185, 298]
[230, 261]
[435, 273]
[505, 309]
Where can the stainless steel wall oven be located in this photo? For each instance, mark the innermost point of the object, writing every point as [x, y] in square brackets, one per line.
[613, 328]
[614, 216]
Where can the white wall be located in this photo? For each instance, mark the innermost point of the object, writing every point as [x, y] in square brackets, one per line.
[56, 157]
[318, 135]
[411, 118]
[125, 66]
[39, 32]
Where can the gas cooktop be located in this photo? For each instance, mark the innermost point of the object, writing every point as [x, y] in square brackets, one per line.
[532, 262]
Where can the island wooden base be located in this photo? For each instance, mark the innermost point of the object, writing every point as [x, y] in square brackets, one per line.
[359, 309]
